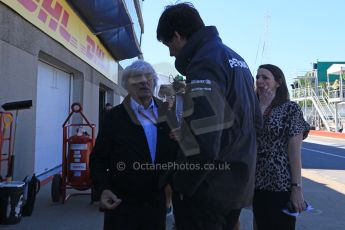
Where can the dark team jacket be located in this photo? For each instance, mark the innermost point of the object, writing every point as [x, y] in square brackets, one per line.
[221, 118]
[121, 146]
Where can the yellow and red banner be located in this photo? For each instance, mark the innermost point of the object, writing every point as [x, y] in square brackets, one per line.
[57, 19]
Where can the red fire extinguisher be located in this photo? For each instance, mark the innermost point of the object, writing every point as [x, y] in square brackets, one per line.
[80, 147]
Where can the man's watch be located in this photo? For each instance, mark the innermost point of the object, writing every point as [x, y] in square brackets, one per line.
[298, 185]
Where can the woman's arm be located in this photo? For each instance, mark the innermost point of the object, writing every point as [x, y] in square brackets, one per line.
[294, 154]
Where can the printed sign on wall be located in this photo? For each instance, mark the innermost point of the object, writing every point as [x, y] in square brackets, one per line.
[57, 19]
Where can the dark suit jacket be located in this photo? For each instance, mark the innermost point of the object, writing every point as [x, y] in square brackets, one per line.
[122, 142]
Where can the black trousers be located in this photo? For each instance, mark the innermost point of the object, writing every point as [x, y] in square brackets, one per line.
[267, 208]
[189, 215]
[136, 216]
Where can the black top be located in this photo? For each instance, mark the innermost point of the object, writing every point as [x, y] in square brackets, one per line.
[121, 147]
[221, 115]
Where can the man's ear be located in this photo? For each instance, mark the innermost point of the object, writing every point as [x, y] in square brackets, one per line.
[179, 38]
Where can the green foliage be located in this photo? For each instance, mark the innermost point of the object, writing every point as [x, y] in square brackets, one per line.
[309, 103]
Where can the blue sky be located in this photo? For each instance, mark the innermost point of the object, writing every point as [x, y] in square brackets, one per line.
[297, 33]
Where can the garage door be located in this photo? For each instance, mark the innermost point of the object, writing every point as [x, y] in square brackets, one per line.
[53, 101]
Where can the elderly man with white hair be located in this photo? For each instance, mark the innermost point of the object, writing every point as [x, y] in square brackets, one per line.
[131, 148]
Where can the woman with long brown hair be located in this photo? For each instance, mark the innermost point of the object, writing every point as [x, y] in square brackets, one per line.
[278, 171]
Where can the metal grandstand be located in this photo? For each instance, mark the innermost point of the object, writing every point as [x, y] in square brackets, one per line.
[322, 101]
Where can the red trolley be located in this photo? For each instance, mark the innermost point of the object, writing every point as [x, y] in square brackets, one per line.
[76, 150]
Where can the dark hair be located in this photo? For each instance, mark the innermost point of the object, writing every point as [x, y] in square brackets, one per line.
[282, 94]
[182, 18]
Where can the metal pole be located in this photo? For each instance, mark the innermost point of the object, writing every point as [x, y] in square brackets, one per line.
[316, 82]
[328, 86]
[336, 117]
[341, 84]
[305, 108]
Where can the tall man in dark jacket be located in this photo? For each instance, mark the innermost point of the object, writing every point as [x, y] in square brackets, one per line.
[130, 150]
[221, 116]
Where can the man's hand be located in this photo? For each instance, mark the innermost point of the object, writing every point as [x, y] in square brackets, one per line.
[109, 200]
[175, 134]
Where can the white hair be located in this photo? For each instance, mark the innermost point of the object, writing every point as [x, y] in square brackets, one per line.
[136, 68]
